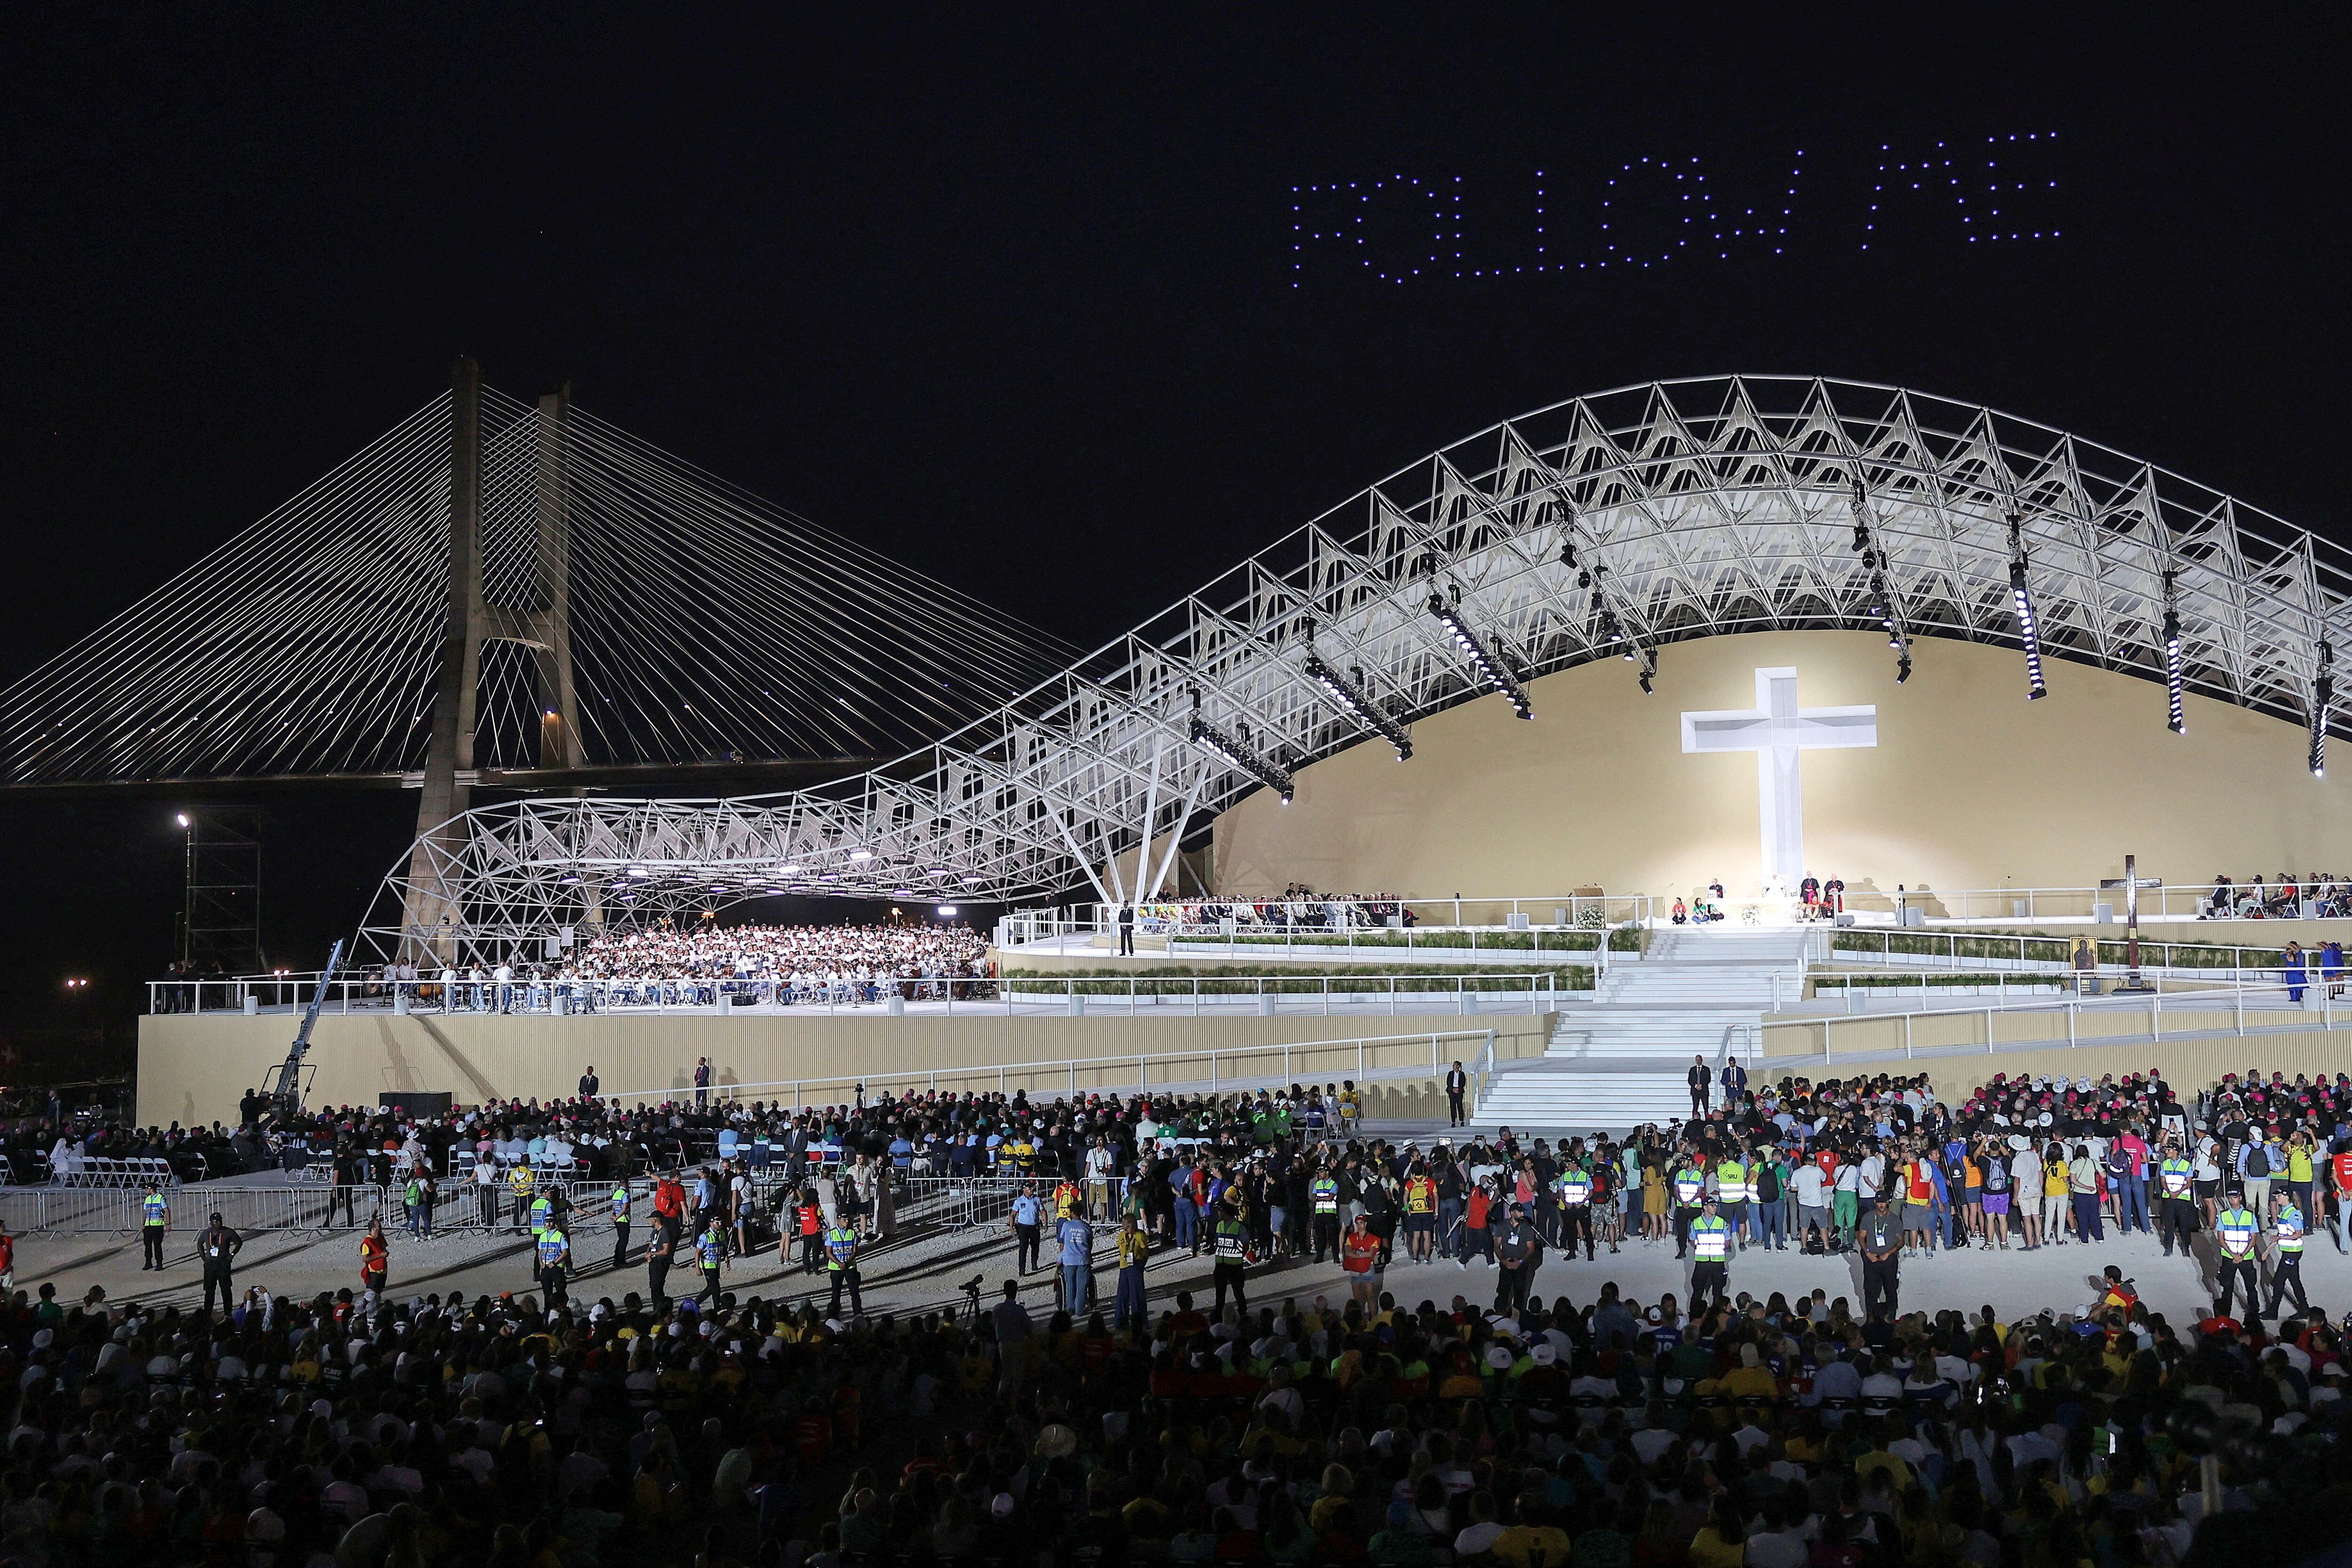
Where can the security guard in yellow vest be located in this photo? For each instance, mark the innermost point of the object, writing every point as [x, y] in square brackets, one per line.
[1731, 1194]
[2176, 1211]
[2286, 1256]
[620, 1201]
[542, 1215]
[841, 1262]
[1324, 1192]
[154, 1217]
[1710, 1244]
[2235, 1229]
[1690, 1187]
[1574, 1186]
[551, 1250]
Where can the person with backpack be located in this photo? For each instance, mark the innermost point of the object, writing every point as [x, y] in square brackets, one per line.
[1992, 1160]
[2256, 1169]
[1766, 1189]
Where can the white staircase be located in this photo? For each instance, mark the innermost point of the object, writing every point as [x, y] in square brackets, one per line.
[1622, 1061]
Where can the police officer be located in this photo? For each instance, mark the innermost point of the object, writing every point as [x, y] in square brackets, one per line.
[1882, 1259]
[1231, 1237]
[155, 1214]
[218, 1248]
[710, 1252]
[2175, 1215]
[542, 1215]
[552, 1250]
[2235, 1229]
[1574, 1185]
[1324, 1192]
[1710, 1245]
[841, 1262]
[2286, 1253]
[620, 1201]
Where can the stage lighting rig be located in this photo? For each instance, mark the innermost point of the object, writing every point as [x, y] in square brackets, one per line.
[1236, 752]
[2027, 633]
[1883, 606]
[2175, 720]
[1351, 697]
[1489, 666]
[2322, 694]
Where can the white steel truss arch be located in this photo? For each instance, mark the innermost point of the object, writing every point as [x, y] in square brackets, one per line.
[1612, 524]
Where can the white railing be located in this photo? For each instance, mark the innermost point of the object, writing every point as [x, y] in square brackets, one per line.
[1207, 994]
[1370, 1058]
[2276, 1013]
[1868, 984]
[1919, 947]
[1582, 911]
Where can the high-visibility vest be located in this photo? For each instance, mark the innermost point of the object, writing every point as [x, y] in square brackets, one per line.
[1689, 1184]
[621, 1205]
[2237, 1226]
[1326, 1195]
[2288, 1227]
[1233, 1239]
[711, 1250]
[1575, 1186]
[1065, 1200]
[2177, 1173]
[1421, 1195]
[1732, 1182]
[542, 1209]
[840, 1242]
[1710, 1238]
[153, 1205]
[550, 1247]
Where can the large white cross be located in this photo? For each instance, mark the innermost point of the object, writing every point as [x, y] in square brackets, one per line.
[1780, 732]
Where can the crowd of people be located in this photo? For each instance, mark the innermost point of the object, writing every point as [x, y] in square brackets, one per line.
[1297, 907]
[669, 964]
[2283, 898]
[1405, 1420]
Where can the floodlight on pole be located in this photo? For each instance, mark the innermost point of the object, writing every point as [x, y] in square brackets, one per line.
[2175, 717]
[1489, 666]
[1352, 698]
[2027, 633]
[1237, 754]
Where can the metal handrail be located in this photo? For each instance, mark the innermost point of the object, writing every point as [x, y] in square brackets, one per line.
[2154, 953]
[1540, 992]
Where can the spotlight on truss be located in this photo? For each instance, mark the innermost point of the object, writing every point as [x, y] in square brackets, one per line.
[1489, 665]
[1235, 754]
[2176, 719]
[1359, 704]
[2323, 695]
[2027, 633]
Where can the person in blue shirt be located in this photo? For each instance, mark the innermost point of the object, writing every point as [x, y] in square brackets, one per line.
[1025, 1225]
[1188, 1218]
[1077, 1239]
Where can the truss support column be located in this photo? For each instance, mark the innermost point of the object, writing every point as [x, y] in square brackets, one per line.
[560, 744]
[432, 913]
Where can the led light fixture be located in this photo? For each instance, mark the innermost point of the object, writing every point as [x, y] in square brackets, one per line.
[1489, 667]
[1238, 755]
[861, 855]
[2175, 719]
[2322, 694]
[1359, 704]
[2027, 633]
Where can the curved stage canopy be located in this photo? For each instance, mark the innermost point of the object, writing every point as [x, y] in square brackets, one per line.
[1601, 528]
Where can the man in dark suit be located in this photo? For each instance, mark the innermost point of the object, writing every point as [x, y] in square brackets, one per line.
[1699, 1078]
[1457, 1084]
[589, 1083]
[1127, 931]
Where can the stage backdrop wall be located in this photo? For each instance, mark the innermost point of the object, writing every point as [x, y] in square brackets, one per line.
[1969, 786]
[193, 1066]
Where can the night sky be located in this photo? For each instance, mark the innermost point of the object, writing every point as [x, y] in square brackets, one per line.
[1019, 303]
